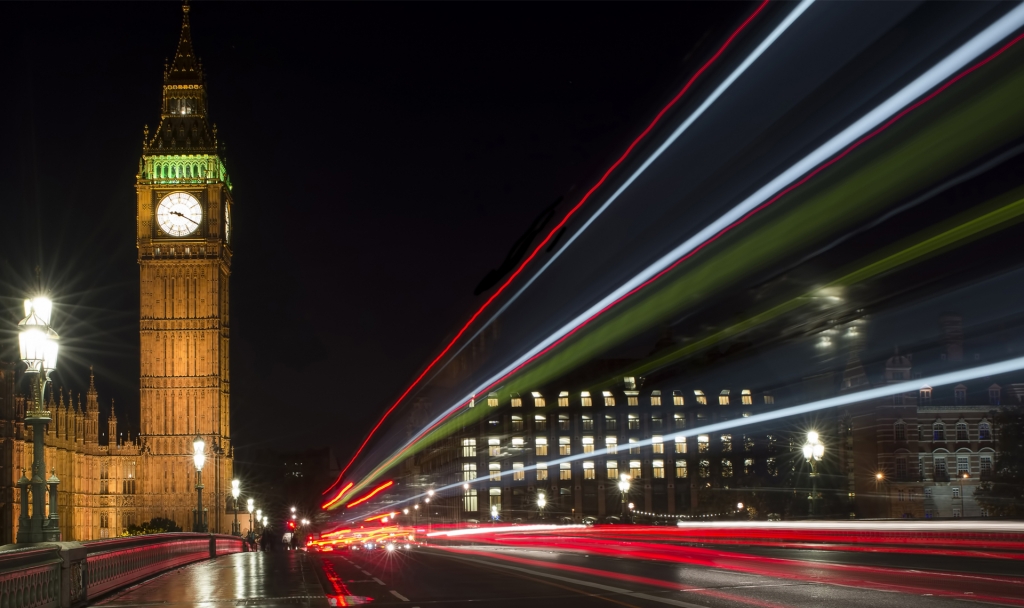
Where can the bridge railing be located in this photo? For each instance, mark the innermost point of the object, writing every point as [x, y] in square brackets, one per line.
[64, 575]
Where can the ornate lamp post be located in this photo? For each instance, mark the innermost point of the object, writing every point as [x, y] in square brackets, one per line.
[542, 501]
[199, 458]
[39, 344]
[250, 505]
[235, 491]
[259, 517]
[814, 450]
[624, 491]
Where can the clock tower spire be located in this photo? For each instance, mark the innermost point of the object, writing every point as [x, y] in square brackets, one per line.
[184, 253]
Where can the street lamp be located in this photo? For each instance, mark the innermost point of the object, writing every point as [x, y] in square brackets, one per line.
[264, 521]
[624, 490]
[199, 458]
[39, 345]
[963, 508]
[494, 514]
[814, 450]
[250, 504]
[235, 491]
[541, 502]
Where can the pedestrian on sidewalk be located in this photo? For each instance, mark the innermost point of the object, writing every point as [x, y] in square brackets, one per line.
[263, 541]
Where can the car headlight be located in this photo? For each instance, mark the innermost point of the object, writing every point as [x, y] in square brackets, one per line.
[390, 547]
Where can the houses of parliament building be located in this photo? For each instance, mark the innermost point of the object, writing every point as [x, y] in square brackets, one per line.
[184, 254]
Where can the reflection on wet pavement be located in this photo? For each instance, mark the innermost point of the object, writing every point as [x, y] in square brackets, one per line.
[283, 578]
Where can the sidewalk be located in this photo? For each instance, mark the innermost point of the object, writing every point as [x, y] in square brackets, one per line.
[279, 578]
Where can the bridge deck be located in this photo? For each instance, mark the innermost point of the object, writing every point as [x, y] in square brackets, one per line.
[281, 578]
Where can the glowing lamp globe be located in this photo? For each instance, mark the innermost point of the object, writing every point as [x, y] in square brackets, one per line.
[37, 341]
[199, 452]
[250, 505]
[235, 489]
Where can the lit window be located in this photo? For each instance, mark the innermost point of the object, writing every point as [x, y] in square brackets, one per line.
[703, 443]
[493, 447]
[984, 431]
[518, 471]
[925, 395]
[634, 422]
[468, 471]
[588, 445]
[563, 422]
[564, 448]
[633, 447]
[723, 397]
[632, 398]
[655, 398]
[746, 397]
[611, 444]
[634, 469]
[563, 399]
[704, 469]
[469, 500]
[681, 469]
[538, 399]
[540, 422]
[680, 445]
[588, 422]
[495, 471]
[961, 431]
[748, 466]
[495, 494]
[748, 443]
[726, 443]
[629, 382]
[657, 444]
[492, 399]
[468, 448]
[658, 469]
[726, 467]
[769, 400]
[565, 471]
[900, 430]
[542, 471]
[518, 443]
[588, 470]
[585, 400]
[517, 423]
[677, 398]
[773, 467]
[613, 469]
[701, 398]
[609, 399]
[542, 446]
[517, 401]
[610, 422]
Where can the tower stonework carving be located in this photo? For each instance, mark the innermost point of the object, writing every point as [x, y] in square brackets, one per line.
[184, 255]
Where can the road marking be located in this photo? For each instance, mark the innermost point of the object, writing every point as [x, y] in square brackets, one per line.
[582, 583]
[399, 596]
[365, 572]
[379, 582]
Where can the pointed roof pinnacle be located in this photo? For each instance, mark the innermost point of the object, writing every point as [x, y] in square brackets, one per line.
[185, 66]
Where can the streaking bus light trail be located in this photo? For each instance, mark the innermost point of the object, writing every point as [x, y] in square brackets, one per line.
[372, 493]
[560, 225]
[347, 487]
[940, 77]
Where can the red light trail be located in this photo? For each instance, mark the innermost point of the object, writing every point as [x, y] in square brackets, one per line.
[370, 495]
[347, 487]
[551, 234]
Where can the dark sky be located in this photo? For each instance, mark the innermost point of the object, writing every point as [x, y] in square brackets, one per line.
[384, 157]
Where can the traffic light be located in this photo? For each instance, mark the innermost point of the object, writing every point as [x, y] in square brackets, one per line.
[291, 525]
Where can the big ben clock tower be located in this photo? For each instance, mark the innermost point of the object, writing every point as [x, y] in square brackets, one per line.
[184, 244]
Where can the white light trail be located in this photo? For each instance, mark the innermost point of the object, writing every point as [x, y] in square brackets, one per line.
[942, 71]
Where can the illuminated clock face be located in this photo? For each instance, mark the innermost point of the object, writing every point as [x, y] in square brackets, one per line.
[179, 214]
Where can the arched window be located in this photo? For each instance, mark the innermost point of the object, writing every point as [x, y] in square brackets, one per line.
[938, 431]
[984, 431]
[961, 431]
[900, 430]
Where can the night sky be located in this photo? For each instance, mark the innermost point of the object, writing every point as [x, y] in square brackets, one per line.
[384, 157]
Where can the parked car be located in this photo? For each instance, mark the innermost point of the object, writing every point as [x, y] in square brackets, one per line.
[589, 521]
[774, 517]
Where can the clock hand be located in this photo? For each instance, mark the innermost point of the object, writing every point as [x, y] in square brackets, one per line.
[182, 215]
